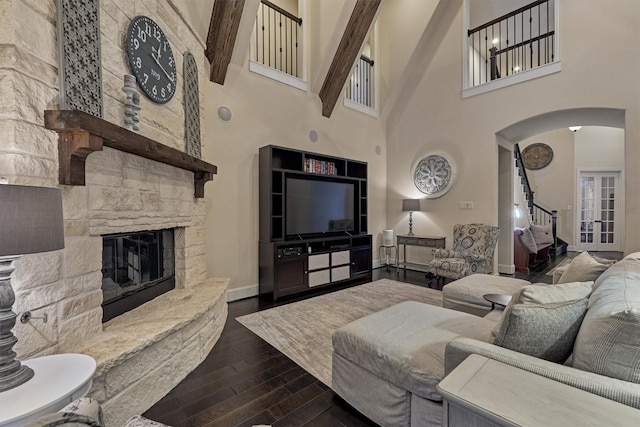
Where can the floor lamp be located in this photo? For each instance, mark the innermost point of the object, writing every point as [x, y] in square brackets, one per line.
[30, 222]
[410, 205]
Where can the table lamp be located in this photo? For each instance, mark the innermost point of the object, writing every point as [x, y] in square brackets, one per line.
[30, 222]
[410, 205]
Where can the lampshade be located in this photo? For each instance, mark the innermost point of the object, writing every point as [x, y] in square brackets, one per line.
[30, 220]
[410, 205]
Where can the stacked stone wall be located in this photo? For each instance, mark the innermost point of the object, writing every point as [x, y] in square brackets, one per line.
[123, 192]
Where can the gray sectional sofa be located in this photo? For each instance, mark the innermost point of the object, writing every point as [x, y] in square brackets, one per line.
[388, 364]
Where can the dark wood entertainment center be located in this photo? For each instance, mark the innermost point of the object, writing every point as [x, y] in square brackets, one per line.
[292, 262]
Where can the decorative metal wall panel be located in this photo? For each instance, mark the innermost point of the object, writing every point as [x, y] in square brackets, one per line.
[79, 52]
[434, 175]
[191, 105]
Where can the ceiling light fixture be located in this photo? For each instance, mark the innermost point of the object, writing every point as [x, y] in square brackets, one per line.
[495, 41]
[575, 128]
[516, 68]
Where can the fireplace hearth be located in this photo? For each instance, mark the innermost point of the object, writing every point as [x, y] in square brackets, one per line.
[136, 268]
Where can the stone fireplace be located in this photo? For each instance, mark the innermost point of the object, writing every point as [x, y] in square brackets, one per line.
[142, 354]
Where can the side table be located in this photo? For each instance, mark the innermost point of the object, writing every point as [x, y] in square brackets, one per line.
[485, 392]
[58, 380]
[497, 299]
[423, 241]
[388, 253]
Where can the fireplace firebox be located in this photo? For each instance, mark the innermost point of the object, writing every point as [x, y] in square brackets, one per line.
[136, 268]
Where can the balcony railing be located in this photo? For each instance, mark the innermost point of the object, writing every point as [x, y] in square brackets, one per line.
[277, 37]
[360, 86]
[515, 42]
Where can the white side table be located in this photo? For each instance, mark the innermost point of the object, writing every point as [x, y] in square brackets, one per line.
[58, 380]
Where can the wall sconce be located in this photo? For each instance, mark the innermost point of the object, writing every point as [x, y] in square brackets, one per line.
[410, 205]
[517, 212]
[31, 223]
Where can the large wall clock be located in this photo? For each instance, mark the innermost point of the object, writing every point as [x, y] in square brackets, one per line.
[537, 156]
[151, 59]
[434, 175]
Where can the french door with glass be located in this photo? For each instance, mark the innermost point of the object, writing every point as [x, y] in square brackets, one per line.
[598, 205]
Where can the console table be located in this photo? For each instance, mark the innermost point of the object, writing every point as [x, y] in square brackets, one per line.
[485, 392]
[58, 380]
[423, 241]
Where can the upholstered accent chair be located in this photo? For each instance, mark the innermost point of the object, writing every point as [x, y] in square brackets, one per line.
[472, 252]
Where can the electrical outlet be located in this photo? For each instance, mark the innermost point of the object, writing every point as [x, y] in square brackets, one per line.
[466, 205]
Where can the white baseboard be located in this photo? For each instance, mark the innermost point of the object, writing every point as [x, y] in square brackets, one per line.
[506, 269]
[241, 293]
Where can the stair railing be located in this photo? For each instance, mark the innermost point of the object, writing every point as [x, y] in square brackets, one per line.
[360, 86]
[517, 41]
[538, 214]
[277, 36]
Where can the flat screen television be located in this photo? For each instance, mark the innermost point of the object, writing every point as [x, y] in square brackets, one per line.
[317, 207]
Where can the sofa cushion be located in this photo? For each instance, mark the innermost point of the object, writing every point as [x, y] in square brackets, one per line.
[404, 344]
[608, 342]
[546, 331]
[583, 268]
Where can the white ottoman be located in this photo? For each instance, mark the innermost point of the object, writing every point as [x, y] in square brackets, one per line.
[466, 294]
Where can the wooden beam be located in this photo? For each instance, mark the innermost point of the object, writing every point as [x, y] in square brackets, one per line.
[80, 134]
[348, 52]
[223, 30]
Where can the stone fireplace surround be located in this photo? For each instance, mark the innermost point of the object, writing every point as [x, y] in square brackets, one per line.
[144, 353]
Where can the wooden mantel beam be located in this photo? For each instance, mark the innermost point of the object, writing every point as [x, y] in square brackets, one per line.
[223, 30]
[348, 52]
[80, 134]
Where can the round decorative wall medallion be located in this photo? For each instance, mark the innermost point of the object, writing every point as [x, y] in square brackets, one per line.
[433, 175]
[537, 156]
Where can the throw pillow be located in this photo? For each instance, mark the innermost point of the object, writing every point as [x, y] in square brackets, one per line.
[528, 240]
[542, 233]
[540, 293]
[545, 331]
[582, 268]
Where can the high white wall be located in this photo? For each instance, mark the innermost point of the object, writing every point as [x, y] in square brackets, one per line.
[436, 118]
[419, 67]
[269, 112]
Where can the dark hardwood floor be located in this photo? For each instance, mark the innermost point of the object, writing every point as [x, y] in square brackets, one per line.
[244, 381]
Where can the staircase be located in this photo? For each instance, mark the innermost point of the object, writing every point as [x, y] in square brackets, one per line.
[538, 214]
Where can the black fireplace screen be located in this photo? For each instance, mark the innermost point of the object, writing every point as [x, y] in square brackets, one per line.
[136, 267]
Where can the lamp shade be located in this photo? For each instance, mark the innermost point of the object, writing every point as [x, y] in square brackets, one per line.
[410, 205]
[30, 220]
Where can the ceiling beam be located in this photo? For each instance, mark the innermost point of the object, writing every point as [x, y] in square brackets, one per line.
[223, 30]
[348, 51]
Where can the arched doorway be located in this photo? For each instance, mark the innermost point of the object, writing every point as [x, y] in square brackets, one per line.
[510, 135]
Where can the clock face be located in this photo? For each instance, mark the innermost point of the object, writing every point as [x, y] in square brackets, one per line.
[537, 156]
[151, 59]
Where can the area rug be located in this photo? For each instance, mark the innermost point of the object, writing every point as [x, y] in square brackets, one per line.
[302, 330]
[562, 263]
